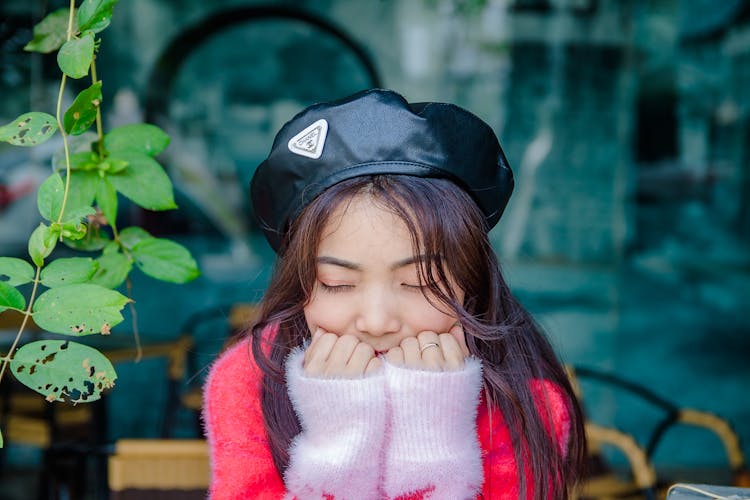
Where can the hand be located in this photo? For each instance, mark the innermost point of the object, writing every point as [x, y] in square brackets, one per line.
[420, 351]
[330, 356]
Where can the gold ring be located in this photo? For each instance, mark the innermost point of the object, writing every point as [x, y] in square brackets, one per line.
[428, 344]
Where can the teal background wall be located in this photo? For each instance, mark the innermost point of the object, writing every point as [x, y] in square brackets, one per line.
[626, 123]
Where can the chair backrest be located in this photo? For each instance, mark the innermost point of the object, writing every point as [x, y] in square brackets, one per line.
[159, 468]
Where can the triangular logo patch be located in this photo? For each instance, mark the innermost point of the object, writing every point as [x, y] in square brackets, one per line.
[310, 141]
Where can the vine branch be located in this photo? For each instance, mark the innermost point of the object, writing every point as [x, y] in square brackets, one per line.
[59, 121]
[26, 316]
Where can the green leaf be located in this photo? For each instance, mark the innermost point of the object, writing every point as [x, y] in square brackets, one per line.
[77, 214]
[144, 182]
[83, 187]
[79, 309]
[130, 236]
[82, 113]
[73, 230]
[73, 227]
[111, 247]
[61, 370]
[112, 166]
[41, 243]
[49, 198]
[140, 137]
[165, 260]
[106, 199]
[75, 56]
[92, 241]
[68, 271]
[95, 15]
[29, 129]
[113, 270]
[85, 160]
[17, 271]
[10, 297]
[50, 33]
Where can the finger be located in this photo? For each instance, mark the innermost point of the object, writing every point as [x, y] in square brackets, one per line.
[430, 351]
[373, 366]
[318, 355]
[410, 346]
[458, 333]
[315, 336]
[340, 355]
[395, 356]
[358, 361]
[452, 352]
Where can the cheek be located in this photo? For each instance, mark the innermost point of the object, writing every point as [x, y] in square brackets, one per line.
[428, 318]
[326, 312]
[420, 315]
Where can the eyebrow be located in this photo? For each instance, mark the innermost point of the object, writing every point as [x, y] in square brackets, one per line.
[326, 259]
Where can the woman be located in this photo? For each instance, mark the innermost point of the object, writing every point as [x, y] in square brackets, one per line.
[390, 359]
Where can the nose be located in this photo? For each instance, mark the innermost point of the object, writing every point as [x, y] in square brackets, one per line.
[378, 313]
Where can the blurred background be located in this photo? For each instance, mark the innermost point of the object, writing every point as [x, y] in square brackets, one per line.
[626, 122]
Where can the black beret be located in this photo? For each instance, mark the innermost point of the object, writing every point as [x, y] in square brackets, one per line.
[377, 132]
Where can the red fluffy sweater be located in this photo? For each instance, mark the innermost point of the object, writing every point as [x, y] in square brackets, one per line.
[241, 462]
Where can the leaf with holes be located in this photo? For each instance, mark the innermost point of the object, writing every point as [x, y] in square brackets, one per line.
[61, 370]
[50, 33]
[29, 129]
[75, 56]
[41, 243]
[49, 198]
[95, 15]
[143, 181]
[82, 113]
[113, 269]
[82, 309]
[165, 260]
[139, 137]
[10, 298]
[68, 271]
[16, 271]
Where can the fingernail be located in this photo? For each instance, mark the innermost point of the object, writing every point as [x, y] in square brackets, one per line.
[318, 333]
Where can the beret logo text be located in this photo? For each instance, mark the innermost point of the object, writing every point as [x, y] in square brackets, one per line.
[310, 141]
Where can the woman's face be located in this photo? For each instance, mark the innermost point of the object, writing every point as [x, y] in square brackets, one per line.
[367, 281]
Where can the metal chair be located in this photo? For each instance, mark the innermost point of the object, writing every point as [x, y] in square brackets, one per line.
[644, 481]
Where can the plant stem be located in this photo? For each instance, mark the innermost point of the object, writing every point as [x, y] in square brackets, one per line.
[26, 316]
[134, 314]
[99, 129]
[60, 124]
[27, 313]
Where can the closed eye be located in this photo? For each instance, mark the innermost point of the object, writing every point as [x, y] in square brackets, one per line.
[413, 287]
[335, 288]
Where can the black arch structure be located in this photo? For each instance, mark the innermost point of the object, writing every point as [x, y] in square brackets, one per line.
[166, 68]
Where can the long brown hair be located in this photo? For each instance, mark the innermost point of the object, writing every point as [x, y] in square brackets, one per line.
[447, 230]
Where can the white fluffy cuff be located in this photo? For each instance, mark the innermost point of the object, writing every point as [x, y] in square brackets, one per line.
[343, 421]
[434, 446]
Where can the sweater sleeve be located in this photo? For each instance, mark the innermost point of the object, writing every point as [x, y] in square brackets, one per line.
[501, 478]
[241, 462]
[433, 450]
[338, 454]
